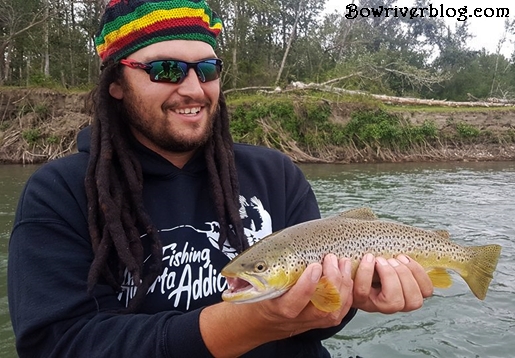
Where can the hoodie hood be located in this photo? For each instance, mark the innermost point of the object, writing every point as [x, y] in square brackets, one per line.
[83, 140]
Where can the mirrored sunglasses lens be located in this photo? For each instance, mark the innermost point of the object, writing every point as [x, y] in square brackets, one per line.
[167, 71]
[208, 71]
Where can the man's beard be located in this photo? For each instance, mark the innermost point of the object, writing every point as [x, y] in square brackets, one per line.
[163, 137]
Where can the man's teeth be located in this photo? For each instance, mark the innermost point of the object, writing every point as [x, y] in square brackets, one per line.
[188, 110]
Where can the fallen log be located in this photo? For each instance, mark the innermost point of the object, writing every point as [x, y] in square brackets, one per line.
[325, 87]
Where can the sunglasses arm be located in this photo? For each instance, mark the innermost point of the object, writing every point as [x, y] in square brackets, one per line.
[135, 64]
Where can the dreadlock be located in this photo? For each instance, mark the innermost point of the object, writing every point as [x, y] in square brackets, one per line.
[224, 180]
[114, 186]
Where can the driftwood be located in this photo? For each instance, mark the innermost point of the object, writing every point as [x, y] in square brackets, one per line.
[248, 89]
[295, 86]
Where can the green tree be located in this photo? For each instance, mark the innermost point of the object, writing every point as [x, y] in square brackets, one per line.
[18, 18]
[264, 42]
[472, 76]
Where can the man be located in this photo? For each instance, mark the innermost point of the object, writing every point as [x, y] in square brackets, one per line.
[116, 251]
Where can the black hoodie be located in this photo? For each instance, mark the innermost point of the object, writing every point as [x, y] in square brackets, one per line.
[50, 255]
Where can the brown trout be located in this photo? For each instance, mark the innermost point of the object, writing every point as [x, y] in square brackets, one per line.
[271, 266]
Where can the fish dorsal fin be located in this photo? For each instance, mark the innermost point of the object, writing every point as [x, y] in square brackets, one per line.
[443, 234]
[359, 213]
[326, 297]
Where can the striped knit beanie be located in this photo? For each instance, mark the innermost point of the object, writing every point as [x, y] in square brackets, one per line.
[129, 25]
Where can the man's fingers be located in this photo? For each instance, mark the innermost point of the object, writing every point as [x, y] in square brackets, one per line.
[347, 285]
[363, 279]
[297, 298]
[419, 273]
[412, 297]
[403, 284]
[390, 299]
[338, 272]
[345, 266]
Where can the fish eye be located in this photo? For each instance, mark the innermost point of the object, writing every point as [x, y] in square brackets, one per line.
[260, 267]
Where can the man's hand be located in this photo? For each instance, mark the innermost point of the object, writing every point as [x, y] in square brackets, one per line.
[230, 329]
[403, 287]
[294, 309]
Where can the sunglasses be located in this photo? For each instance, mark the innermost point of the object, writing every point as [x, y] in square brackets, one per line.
[174, 71]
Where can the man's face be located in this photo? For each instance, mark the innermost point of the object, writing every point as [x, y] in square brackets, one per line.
[171, 119]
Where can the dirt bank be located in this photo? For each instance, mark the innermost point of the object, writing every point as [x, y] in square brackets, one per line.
[37, 125]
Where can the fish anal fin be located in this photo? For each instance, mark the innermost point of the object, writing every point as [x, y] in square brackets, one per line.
[443, 234]
[326, 297]
[440, 277]
[359, 213]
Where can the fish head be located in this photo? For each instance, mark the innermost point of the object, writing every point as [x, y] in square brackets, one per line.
[262, 272]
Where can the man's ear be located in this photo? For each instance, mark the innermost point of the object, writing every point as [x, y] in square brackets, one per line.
[116, 90]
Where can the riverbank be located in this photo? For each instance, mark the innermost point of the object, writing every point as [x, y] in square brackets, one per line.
[37, 125]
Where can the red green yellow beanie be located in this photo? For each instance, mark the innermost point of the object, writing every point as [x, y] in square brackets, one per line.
[129, 25]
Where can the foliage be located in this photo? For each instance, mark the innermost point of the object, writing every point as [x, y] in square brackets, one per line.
[50, 43]
[31, 136]
[40, 110]
[53, 139]
[307, 122]
[40, 80]
[467, 131]
[378, 128]
[475, 77]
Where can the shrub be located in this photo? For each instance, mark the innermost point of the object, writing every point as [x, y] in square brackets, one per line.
[467, 131]
[31, 136]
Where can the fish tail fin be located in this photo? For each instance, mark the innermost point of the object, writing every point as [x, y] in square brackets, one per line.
[479, 271]
[326, 297]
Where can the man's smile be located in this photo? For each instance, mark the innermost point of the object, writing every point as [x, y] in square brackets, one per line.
[193, 110]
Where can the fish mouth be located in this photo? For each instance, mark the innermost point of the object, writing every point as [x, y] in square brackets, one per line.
[248, 289]
[239, 285]
[249, 283]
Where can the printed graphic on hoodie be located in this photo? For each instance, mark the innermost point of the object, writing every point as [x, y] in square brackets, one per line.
[192, 261]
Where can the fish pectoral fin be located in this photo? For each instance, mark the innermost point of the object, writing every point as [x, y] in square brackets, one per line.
[440, 278]
[326, 297]
[360, 214]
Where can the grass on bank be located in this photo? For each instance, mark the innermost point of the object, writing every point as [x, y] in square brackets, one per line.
[313, 125]
[307, 125]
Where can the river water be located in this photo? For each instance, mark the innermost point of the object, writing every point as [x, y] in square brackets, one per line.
[475, 202]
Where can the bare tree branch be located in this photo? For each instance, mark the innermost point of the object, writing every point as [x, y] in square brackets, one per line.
[290, 41]
[342, 78]
[11, 21]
